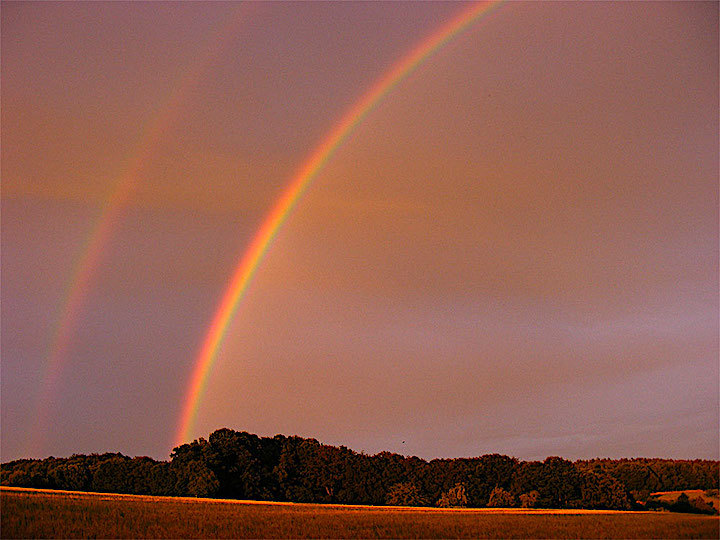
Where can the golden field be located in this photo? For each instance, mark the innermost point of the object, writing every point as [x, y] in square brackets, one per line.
[31, 513]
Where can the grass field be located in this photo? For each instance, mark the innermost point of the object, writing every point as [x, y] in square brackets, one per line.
[63, 514]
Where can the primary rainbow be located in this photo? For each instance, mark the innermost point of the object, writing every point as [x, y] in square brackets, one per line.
[78, 286]
[299, 183]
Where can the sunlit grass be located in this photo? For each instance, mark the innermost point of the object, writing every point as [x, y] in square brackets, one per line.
[43, 514]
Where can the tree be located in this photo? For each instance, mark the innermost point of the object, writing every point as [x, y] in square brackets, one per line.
[529, 500]
[454, 497]
[243, 464]
[201, 481]
[601, 491]
[404, 494]
[499, 498]
[559, 483]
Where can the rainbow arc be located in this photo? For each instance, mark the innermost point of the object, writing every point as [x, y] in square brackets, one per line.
[291, 195]
[90, 257]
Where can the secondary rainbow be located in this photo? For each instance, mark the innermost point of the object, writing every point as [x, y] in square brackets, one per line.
[292, 193]
[90, 255]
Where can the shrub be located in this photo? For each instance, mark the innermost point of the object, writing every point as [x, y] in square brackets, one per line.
[702, 506]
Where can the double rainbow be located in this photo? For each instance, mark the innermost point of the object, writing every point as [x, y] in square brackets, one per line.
[294, 190]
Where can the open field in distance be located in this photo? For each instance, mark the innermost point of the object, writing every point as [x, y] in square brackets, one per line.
[28, 513]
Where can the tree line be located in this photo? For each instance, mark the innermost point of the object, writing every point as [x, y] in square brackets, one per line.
[240, 465]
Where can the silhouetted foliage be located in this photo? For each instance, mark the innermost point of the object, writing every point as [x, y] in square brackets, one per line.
[241, 465]
[683, 503]
[601, 491]
[655, 474]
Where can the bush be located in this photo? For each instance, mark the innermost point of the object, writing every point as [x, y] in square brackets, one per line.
[702, 506]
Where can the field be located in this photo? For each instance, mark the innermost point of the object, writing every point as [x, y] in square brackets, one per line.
[30, 513]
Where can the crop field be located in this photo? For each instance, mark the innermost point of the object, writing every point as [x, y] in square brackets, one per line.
[28, 513]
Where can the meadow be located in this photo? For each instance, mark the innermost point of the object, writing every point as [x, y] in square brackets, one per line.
[29, 513]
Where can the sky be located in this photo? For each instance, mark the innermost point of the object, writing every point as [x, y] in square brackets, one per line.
[515, 251]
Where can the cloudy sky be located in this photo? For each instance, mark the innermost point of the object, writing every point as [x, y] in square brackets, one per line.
[515, 251]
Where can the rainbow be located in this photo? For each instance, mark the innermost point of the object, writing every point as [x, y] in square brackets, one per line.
[78, 286]
[290, 196]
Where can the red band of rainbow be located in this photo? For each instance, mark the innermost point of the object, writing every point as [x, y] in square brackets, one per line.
[252, 257]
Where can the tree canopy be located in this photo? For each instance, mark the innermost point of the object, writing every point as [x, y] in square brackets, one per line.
[232, 464]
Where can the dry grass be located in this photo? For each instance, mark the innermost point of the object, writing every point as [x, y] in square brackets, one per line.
[47, 514]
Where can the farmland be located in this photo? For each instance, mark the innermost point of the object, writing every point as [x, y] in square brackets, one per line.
[65, 514]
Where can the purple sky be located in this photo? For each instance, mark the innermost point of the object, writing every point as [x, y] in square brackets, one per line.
[516, 251]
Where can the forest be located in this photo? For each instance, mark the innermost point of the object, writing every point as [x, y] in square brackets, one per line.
[240, 465]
